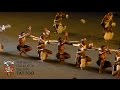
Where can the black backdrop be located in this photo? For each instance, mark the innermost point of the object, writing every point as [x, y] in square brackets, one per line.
[59, 5]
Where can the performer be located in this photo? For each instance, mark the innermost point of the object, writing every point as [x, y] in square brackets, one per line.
[42, 51]
[60, 15]
[108, 24]
[1, 48]
[57, 20]
[59, 27]
[102, 62]
[66, 36]
[3, 28]
[90, 45]
[81, 59]
[47, 34]
[61, 54]
[80, 55]
[116, 65]
[83, 45]
[22, 47]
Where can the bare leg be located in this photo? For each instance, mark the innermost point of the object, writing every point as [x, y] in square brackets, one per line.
[22, 51]
[101, 67]
[118, 75]
[62, 61]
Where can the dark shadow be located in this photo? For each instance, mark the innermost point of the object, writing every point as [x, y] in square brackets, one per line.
[33, 58]
[88, 68]
[96, 70]
[54, 61]
[14, 56]
[71, 65]
[108, 72]
[57, 62]
[92, 69]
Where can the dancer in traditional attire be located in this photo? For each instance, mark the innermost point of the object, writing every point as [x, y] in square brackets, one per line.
[22, 47]
[1, 48]
[42, 51]
[66, 36]
[81, 59]
[108, 24]
[57, 20]
[59, 27]
[102, 62]
[47, 34]
[61, 54]
[61, 15]
[116, 65]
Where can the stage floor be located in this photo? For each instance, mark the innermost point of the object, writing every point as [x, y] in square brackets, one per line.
[31, 68]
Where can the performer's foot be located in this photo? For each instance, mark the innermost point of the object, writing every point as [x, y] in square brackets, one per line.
[20, 53]
[40, 61]
[100, 71]
[62, 62]
[81, 68]
[77, 66]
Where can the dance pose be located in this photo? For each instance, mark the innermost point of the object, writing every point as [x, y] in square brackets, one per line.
[61, 54]
[81, 59]
[22, 47]
[102, 62]
[42, 51]
[66, 36]
[59, 27]
[46, 33]
[108, 24]
[116, 65]
[1, 48]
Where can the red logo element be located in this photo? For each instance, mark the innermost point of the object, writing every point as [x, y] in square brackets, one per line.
[9, 67]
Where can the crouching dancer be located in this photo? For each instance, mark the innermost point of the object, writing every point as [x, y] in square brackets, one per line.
[116, 65]
[102, 62]
[61, 54]
[81, 59]
[22, 47]
[42, 51]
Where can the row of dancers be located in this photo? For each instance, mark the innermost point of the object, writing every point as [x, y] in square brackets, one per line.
[82, 60]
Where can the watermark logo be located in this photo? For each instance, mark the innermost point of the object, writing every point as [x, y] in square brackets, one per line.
[24, 68]
[9, 67]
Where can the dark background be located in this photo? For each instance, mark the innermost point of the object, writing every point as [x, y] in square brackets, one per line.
[59, 5]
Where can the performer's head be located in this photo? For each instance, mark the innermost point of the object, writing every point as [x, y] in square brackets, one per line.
[103, 47]
[118, 49]
[58, 13]
[83, 41]
[110, 14]
[42, 36]
[22, 33]
[29, 27]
